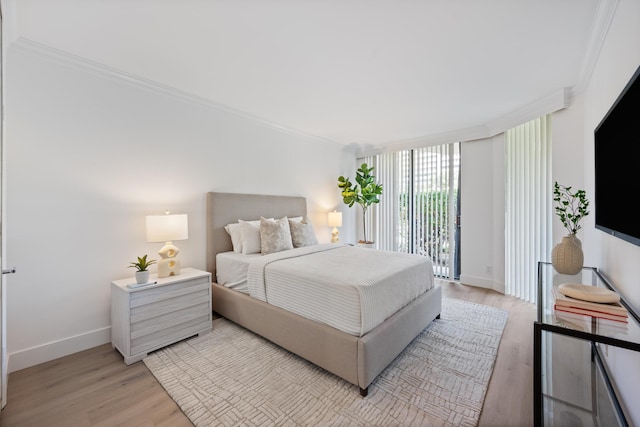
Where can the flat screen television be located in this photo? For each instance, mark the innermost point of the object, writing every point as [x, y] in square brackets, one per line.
[617, 166]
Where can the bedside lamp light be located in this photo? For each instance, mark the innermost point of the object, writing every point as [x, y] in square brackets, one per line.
[335, 220]
[167, 228]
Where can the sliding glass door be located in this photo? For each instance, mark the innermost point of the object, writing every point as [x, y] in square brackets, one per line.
[430, 206]
[421, 205]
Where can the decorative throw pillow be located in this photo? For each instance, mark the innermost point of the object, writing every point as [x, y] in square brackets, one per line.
[302, 233]
[236, 236]
[275, 235]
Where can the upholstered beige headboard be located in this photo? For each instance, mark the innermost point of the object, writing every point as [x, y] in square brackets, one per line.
[225, 208]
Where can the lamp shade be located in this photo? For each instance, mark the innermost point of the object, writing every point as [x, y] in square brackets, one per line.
[167, 228]
[335, 219]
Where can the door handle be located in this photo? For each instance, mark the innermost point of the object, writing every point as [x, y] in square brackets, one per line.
[9, 270]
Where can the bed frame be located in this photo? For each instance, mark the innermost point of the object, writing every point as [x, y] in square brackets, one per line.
[358, 360]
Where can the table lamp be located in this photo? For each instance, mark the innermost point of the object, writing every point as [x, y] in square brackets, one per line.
[167, 228]
[335, 220]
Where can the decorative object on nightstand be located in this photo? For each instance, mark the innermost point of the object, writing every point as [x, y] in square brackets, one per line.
[167, 228]
[365, 195]
[567, 256]
[335, 221]
[141, 266]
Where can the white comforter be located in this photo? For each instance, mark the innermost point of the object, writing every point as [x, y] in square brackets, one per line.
[350, 288]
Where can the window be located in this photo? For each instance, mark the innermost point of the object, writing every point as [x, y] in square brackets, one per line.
[420, 206]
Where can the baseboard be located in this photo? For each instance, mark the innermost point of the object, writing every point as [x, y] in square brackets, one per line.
[44, 353]
[5, 366]
[481, 282]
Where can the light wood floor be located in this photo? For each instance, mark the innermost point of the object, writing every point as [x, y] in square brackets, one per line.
[509, 399]
[96, 388]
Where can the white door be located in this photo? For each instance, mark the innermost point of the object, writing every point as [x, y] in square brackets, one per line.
[3, 346]
[3, 228]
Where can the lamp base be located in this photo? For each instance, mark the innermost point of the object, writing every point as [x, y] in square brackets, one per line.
[168, 267]
[334, 235]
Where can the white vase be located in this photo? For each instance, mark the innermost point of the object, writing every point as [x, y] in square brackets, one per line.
[142, 276]
[567, 256]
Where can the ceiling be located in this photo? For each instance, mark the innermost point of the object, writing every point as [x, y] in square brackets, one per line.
[365, 72]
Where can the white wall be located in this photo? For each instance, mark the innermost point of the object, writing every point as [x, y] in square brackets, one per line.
[89, 154]
[567, 166]
[482, 213]
[574, 144]
[617, 259]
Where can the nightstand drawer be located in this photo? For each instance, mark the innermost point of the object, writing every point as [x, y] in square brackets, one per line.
[170, 335]
[151, 310]
[166, 321]
[170, 291]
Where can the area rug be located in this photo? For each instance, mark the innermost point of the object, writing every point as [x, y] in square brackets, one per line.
[232, 377]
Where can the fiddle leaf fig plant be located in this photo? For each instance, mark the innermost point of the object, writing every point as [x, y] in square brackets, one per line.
[571, 206]
[365, 192]
[142, 263]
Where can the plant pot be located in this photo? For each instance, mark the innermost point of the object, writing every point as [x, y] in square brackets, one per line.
[142, 276]
[567, 256]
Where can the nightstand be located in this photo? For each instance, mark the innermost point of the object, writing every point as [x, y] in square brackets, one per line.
[147, 318]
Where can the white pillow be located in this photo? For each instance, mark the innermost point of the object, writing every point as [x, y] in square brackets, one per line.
[236, 236]
[235, 232]
[275, 236]
[296, 219]
[302, 233]
[250, 236]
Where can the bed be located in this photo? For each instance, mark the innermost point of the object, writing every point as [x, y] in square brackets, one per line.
[356, 357]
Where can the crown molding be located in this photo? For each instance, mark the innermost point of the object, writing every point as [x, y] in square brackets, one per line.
[467, 134]
[556, 101]
[105, 71]
[605, 12]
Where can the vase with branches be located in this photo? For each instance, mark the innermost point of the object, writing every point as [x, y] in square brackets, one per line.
[571, 206]
[364, 192]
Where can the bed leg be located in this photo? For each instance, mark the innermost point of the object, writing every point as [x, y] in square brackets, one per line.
[364, 392]
[438, 316]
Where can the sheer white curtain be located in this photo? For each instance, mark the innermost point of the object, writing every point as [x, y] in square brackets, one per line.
[382, 218]
[528, 205]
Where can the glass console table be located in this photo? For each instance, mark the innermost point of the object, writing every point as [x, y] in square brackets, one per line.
[573, 383]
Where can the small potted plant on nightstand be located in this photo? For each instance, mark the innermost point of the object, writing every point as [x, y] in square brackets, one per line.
[141, 266]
